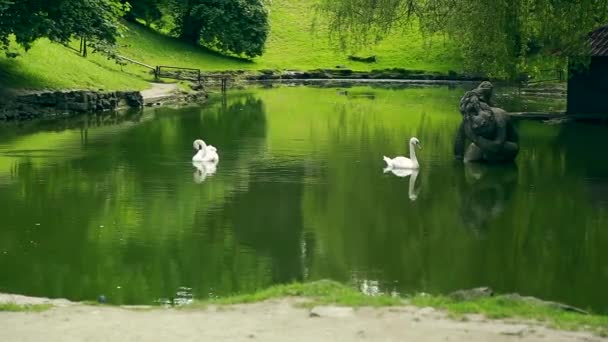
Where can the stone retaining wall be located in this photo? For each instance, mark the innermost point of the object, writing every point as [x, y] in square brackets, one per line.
[343, 73]
[58, 103]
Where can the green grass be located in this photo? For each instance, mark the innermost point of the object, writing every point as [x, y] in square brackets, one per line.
[53, 66]
[319, 292]
[330, 292]
[498, 307]
[24, 308]
[290, 45]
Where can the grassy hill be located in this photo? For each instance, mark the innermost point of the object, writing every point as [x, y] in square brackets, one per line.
[291, 45]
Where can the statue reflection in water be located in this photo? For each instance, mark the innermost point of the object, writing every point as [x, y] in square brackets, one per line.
[488, 143]
[413, 173]
[487, 191]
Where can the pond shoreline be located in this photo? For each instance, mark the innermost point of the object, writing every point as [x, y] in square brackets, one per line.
[472, 310]
[28, 105]
[272, 319]
[345, 73]
[63, 103]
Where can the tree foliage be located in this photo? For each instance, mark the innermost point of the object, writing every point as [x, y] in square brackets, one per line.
[148, 10]
[59, 20]
[496, 37]
[235, 26]
[4, 4]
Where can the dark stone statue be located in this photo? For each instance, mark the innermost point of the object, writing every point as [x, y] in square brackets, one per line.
[491, 134]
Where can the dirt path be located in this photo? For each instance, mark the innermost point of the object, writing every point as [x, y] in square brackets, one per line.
[273, 321]
[158, 92]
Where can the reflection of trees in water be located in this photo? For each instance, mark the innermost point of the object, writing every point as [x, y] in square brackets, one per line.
[365, 224]
[12, 130]
[267, 218]
[150, 243]
[540, 236]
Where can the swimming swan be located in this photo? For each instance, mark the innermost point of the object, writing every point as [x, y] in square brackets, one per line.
[205, 153]
[403, 162]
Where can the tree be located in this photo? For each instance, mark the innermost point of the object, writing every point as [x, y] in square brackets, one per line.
[59, 20]
[148, 10]
[233, 26]
[497, 37]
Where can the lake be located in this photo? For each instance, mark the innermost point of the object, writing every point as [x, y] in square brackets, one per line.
[111, 204]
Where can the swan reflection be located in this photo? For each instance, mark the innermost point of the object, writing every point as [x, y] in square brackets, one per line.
[203, 170]
[412, 191]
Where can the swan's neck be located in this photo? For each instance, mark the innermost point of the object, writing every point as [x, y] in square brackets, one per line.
[413, 153]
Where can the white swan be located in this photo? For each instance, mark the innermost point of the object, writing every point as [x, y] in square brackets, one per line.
[403, 162]
[203, 170]
[205, 153]
[412, 192]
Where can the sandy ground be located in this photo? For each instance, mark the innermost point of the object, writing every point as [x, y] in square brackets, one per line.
[274, 321]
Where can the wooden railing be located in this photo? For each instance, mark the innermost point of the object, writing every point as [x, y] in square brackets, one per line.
[181, 73]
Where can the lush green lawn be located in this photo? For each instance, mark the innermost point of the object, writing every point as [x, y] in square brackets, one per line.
[291, 45]
[53, 66]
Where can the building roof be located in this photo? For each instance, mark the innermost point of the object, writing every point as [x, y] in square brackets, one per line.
[599, 41]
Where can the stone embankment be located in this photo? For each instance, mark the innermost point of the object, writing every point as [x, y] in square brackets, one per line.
[63, 103]
[344, 73]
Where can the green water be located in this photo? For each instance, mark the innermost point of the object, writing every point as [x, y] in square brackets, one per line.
[112, 204]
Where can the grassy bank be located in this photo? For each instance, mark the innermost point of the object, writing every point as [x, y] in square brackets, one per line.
[290, 45]
[326, 292]
[24, 308]
[496, 307]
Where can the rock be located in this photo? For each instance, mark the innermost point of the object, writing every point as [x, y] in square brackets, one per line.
[479, 292]
[26, 300]
[515, 330]
[78, 107]
[53, 103]
[536, 301]
[370, 59]
[331, 311]
[197, 86]
[426, 311]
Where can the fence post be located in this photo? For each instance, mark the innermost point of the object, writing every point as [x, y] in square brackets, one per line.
[84, 47]
[156, 73]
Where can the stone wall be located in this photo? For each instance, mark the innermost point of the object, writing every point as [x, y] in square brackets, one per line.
[60, 103]
[343, 73]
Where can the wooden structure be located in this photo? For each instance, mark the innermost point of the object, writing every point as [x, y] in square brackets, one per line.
[194, 75]
[165, 71]
[588, 88]
[179, 73]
